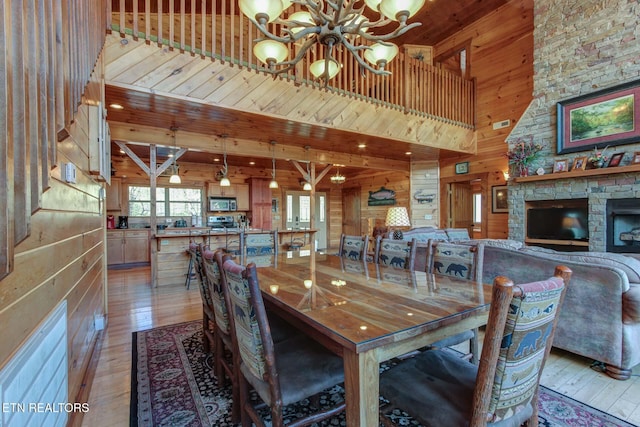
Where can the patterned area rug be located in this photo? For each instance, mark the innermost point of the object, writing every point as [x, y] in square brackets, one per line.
[172, 385]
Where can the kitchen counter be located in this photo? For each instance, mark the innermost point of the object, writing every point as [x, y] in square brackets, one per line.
[170, 259]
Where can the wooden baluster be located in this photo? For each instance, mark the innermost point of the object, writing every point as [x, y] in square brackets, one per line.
[159, 17]
[232, 51]
[223, 32]
[214, 26]
[135, 20]
[203, 28]
[193, 43]
[122, 18]
[147, 19]
[241, 41]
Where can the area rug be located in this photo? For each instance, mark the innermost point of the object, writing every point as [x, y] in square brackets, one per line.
[172, 385]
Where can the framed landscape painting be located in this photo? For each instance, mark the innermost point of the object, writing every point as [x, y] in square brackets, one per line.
[607, 117]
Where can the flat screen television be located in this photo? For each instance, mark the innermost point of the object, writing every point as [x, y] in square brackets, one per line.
[558, 223]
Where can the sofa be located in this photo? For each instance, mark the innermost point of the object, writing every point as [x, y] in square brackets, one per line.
[600, 316]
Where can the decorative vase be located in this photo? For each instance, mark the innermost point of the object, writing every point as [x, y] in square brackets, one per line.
[523, 170]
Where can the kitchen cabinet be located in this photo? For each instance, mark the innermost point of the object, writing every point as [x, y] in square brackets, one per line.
[113, 194]
[260, 199]
[239, 191]
[127, 246]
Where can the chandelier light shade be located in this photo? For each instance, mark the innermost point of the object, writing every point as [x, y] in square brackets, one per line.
[306, 186]
[334, 25]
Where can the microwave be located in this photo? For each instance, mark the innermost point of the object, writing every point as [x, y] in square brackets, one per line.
[223, 204]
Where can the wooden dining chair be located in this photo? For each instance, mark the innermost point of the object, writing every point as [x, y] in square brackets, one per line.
[438, 388]
[396, 253]
[280, 373]
[208, 316]
[353, 247]
[464, 262]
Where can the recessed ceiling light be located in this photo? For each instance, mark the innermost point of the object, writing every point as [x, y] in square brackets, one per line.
[170, 155]
[216, 159]
[408, 153]
[362, 145]
[121, 151]
[252, 163]
[116, 106]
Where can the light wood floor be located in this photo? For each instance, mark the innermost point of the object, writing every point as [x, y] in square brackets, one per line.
[134, 306]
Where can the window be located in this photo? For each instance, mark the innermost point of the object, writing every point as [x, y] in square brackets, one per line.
[477, 208]
[169, 201]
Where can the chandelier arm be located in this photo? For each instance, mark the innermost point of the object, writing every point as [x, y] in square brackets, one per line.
[398, 31]
[289, 65]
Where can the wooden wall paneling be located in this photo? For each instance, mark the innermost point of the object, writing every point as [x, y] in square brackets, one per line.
[17, 130]
[6, 166]
[32, 65]
[424, 182]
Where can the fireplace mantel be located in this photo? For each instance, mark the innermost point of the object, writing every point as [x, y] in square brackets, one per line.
[579, 173]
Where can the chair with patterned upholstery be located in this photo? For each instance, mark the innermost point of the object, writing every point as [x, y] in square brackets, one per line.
[463, 261]
[234, 243]
[353, 247]
[208, 316]
[396, 253]
[261, 243]
[439, 388]
[272, 369]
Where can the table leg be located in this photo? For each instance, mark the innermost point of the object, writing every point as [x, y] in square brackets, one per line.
[362, 390]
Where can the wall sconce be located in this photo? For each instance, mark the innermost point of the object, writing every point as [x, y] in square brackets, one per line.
[506, 175]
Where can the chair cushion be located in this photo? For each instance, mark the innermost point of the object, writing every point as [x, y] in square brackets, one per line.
[304, 367]
[436, 388]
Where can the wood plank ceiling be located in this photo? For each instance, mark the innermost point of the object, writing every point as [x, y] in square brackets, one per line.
[440, 18]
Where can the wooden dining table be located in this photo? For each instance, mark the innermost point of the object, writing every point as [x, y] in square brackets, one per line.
[367, 313]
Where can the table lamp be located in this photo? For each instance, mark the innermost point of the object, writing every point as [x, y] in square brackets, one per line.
[397, 217]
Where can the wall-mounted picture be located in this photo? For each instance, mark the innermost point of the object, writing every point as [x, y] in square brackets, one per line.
[462, 167]
[607, 117]
[561, 165]
[615, 160]
[636, 158]
[500, 199]
[579, 163]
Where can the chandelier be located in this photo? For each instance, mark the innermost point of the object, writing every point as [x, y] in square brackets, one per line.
[338, 178]
[331, 24]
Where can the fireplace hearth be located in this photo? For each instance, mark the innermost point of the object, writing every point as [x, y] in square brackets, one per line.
[623, 225]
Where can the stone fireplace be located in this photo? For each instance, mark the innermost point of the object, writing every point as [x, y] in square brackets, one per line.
[597, 190]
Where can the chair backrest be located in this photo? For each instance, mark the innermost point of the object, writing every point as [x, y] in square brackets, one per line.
[212, 264]
[518, 337]
[261, 243]
[393, 275]
[195, 252]
[457, 260]
[353, 247]
[249, 323]
[396, 253]
[234, 243]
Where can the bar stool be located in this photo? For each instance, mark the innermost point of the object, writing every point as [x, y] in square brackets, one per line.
[191, 253]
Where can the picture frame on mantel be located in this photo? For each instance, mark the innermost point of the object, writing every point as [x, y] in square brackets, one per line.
[500, 199]
[604, 118]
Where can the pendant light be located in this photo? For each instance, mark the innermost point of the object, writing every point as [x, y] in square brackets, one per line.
[175, 178]
[224, 182]
[273, 184]
[307, 185]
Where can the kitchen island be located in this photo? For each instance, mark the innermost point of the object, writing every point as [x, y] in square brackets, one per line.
[170, 259]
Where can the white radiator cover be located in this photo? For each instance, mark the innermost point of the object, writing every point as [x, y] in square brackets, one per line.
[34, 384]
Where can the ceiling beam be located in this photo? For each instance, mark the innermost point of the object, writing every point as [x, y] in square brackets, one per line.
[145, 135]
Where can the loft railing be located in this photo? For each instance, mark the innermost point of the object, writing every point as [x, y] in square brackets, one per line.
[217, 30]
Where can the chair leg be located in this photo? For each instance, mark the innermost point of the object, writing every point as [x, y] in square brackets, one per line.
[206, 345]
[187, 282]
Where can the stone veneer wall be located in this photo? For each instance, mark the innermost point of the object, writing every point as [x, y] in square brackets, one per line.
[579, 48]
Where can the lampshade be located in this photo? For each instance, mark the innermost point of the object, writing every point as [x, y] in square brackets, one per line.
[273, 184]
[175, 178]
[397, 217]
[270, 51]
[379, 54]
[224, 182]
[306, 186]
[317, 68]
[261, 10]
[400, 10]
[301, 16]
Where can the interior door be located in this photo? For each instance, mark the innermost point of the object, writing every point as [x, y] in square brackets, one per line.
[461, 205]
[351, 212]
[298, 205]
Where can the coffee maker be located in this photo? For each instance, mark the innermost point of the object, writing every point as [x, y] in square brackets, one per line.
[123, 222]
